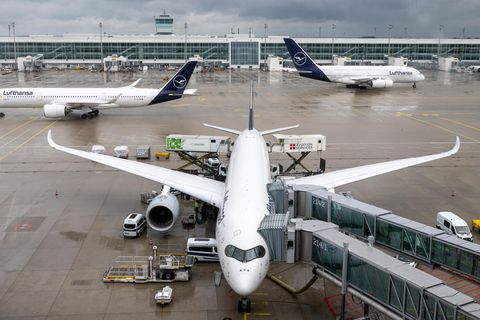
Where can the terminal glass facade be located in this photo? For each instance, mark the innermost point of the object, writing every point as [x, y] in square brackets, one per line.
[244, 53]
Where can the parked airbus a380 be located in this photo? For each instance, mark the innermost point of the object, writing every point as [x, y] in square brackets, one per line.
[243, 199]
[352, 76]
[59, 102]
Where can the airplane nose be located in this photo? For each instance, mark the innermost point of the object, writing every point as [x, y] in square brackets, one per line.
[420, 77]
[245, 285]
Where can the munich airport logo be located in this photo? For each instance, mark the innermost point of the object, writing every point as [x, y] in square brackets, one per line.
[299, 58]
[180, 82]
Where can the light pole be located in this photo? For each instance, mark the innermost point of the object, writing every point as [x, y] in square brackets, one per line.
[185, 47]
[14, 44]
[405, 32]
[440, 28]
[333, 37]
[389, 36]
[265, 47]
[100, 25]
[320, 31]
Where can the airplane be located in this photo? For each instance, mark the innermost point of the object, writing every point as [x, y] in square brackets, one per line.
[243, 200]
[352, 76]
[60, 102]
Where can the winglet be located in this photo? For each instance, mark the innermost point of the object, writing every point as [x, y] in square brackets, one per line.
[133, 84]
[456, 147]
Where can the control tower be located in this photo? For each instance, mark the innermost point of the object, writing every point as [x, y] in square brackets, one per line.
[164, 24]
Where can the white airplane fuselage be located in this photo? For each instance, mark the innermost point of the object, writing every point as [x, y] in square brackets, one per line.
[398, 74]
[246, 203]
[39, 97]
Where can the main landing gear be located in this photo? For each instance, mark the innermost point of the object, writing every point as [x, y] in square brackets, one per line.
[244, 305]
[90, 115]
[414, 85]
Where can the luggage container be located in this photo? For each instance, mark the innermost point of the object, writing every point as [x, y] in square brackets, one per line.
[96, 148]
[120, 152]
[143, 152]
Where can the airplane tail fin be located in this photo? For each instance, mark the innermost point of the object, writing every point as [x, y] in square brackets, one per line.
[250, 109]
[303, 62]
[175, 87]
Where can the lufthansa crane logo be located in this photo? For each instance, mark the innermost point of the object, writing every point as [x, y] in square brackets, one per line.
[180, 82]
[299, 58]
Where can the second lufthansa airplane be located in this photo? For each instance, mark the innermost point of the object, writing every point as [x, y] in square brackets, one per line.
[59, 102]
[352, 76]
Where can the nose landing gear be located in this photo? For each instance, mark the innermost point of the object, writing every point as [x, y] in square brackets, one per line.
[414, 85]
[244, 305]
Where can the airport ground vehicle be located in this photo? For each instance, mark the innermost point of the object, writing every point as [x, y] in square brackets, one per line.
[203, 249]
[121, 152]
[450, 223]
[164, 296]
[476, 225]
[134, 224]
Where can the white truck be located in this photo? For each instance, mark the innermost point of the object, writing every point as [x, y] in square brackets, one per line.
[450, 223]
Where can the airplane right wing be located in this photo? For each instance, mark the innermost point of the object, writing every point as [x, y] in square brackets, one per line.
[337, 178]
[207, 190]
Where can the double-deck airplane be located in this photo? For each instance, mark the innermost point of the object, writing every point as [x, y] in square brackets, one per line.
[59, 102]
[243, 199]
[352, 76]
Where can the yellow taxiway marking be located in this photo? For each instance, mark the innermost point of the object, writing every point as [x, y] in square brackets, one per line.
[29, 139]
[17, 127]
[410, 116]
[460, 123]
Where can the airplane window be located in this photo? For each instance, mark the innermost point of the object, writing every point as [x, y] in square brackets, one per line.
[245, 255]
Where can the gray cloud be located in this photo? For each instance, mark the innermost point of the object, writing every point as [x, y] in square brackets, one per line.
[296, 17]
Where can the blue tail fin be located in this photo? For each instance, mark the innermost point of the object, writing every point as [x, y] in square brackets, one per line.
[174, 88]
[250, 114]
[302, 61]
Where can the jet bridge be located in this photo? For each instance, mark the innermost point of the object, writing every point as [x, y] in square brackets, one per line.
[390, 285]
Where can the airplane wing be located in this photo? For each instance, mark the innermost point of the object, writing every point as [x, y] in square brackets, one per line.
[360, 80]
[337, 178]
[92, 103]
[205, 189]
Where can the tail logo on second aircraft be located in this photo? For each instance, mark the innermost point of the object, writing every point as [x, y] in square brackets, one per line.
[299, 58]
[180, 82]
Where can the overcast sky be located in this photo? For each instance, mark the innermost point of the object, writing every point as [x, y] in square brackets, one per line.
[352, 18]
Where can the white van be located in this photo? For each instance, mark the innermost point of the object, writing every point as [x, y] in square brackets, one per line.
[453, 224]
[133, 225]
[203, 249]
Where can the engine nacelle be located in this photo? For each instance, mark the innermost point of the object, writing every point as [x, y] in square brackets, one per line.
[381, 83]
[162, 212]
[55, 110]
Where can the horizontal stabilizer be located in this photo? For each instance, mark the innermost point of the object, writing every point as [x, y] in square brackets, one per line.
[133, 84]
[223, 129]
[263, 133]
[190, 92]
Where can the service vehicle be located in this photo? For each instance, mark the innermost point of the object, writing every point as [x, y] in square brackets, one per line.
[134, 224]
[164, 296]
[99, 149]
[120, 152]
[450, 223]
[203, 249]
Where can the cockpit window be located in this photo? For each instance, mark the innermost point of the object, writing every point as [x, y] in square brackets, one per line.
[244, 255]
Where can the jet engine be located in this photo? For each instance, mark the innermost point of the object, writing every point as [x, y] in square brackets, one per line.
[162, 212]
[55, 110]
[381, 83]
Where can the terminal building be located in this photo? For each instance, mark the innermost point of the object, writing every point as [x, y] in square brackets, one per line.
[233, 50]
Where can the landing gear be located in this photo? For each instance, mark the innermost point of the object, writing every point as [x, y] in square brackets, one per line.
[2, 115]
[90, 115]
[414, 85]
[244, 305]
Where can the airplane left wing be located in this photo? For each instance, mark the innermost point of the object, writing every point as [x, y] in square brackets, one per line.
[337, 178]
[92, 103]
[205, 189]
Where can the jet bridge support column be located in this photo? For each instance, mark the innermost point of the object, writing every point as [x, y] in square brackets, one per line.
[344, 278]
